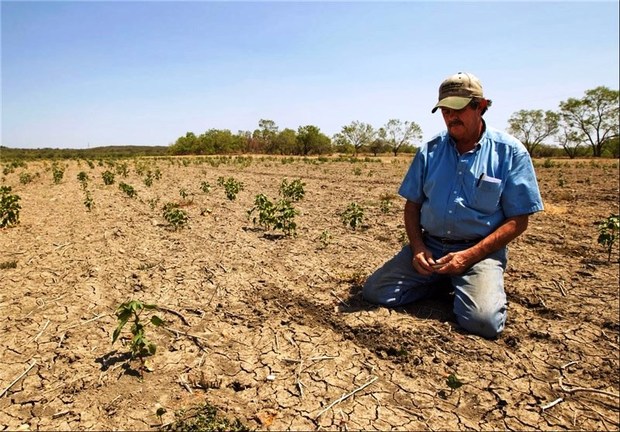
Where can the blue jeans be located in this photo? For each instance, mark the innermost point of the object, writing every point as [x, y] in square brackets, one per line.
[479, 297]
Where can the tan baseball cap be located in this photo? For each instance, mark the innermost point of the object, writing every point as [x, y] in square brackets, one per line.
[458, 90]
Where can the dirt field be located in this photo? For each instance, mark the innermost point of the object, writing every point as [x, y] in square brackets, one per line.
[272, 330]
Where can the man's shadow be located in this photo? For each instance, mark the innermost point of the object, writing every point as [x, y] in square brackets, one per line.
[438, 306]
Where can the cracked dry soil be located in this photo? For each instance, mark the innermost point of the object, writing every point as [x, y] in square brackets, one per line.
[281, 338]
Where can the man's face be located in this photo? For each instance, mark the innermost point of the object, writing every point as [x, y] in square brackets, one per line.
[463, 124]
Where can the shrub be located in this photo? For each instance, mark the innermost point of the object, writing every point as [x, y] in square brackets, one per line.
[25, 178]
[57, 173]
[353, 215]
[140, 345]
[231, 186]
[108, 177]
[9, 207]
[205, 187]
[608, 233]
[128, 189]
[293, 191]
[174, 215]
[278, 216]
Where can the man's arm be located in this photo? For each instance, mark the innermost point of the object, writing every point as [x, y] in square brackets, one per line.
[422, 257]
[458, 262]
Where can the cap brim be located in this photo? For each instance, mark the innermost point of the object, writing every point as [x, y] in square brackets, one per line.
[452, 102]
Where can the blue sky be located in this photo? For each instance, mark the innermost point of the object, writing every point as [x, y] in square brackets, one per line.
[79, 74]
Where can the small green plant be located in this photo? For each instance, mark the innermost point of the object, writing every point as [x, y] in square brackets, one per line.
[353, 215]
[231, 186]
[293, 191]
[561, 179]
[205, 187]
[386, 203]
[108, 177]
[175, 216]
[90, 163]
[148, 179]
[548, 163]
[8, 265]
[9, 207]
[83, 179]
[122, 169]
[278, 216]
[57, 173]
[153, 202]
[128, 189]
[454, 382]
[204, 418]
[357, 171]
[140, 346]
[325, 238]
[25, 178]
[608, 233]
[89, 203]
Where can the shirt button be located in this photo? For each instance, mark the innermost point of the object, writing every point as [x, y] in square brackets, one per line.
[450, 211]
[448, 232]
[454, 192]
[460, 172]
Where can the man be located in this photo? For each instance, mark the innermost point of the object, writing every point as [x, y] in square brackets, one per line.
[469, 192]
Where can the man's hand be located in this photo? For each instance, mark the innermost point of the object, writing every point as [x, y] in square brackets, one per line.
[454, 263]
[423, 261]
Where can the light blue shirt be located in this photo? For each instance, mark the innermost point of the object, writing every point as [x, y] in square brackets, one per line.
[468, 196]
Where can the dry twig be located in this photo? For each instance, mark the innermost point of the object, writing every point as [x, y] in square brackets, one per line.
[585, 389]
[344, 397]
[551, 404]
[34, 362]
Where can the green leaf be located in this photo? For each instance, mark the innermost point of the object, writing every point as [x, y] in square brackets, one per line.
[453, 382]
[149, 306]
[116, 333]
[152, 348]
[156, 321]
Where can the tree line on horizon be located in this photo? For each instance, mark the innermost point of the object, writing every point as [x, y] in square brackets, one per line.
[580, 126]
[395, 136]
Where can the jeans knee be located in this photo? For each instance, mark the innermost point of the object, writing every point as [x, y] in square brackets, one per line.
[370, 293]
[486, 324]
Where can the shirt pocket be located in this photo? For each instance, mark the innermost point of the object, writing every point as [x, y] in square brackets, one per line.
[487, 194]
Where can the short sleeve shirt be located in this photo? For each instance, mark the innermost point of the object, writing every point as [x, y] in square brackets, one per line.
[467, 196]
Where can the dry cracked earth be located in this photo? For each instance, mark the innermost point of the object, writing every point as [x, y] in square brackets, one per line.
[271, 329]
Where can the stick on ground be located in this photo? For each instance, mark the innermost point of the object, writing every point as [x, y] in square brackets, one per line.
[337, 401]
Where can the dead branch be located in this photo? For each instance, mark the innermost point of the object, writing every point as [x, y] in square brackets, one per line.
[339, 299]
[344, 397]
[173, 312]
[585, 389]
[34, 362]
[551, 404]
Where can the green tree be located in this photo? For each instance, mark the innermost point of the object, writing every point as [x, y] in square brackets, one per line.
[533, 127]
[378, 145]
[570, 142]
[265, 136]
[356, 134]
[217, 141]
[185, 145]
[595, 117]
[285, 142]
[310, 140]
[399, 134]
